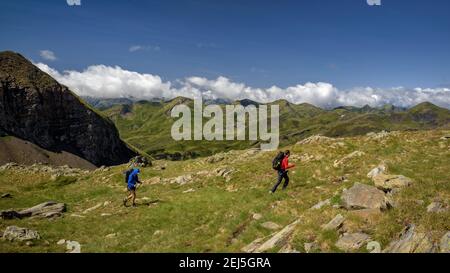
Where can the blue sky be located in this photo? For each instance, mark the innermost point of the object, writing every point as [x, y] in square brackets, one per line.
[260, 43]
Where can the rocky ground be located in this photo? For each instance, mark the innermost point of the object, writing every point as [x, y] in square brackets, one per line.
[383, 192]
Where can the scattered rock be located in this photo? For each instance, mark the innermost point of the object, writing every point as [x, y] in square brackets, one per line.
[311, 247]
[61, 242]
[110, 236]
[73, 247]
[250, 248]
[10, 214]
[189, 190]
[388, 182]
[6, 195]
[346, 158]
[380, 169]
[321, 204]
[445, 243]
[362, 196]
[374, 247]
[334, 224]
[215, 158]
[105, 214]
[77, 215]
[352, 241]
[225, 172]
[271, 225]
[13, 233]
[181, 180]
[315, 139]
[256, 216]
[411, 241]
[377, 136]
[446, 137]
[106, 203]
[44, 210]
[92, 208]
[436, 207]
[279, 239]
[288, 249]
[157, 233]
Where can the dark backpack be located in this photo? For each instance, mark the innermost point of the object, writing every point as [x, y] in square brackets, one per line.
[127, 175]
[276, 162]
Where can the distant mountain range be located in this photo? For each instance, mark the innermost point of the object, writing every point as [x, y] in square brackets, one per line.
[147, 124]
[43, 121]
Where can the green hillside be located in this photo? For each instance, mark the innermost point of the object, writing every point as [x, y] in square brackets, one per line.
[146, 125]
[222, 204]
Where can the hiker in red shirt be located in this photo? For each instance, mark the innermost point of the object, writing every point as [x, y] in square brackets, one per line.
[283, 172]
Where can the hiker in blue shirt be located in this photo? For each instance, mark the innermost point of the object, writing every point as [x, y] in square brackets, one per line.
[132, 179]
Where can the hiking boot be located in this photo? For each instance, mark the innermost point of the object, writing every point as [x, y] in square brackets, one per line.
[134, 206]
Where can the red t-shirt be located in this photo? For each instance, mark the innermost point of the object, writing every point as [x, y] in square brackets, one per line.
[284, 163]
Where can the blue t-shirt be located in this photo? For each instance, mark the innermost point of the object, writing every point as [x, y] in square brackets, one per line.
[133, 178]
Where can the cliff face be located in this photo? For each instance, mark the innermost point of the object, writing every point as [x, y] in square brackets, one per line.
[35, 107]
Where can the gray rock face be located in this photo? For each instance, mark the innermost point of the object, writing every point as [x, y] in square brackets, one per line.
[380, 169]
[411, 241]
[352, 241]
[36, 108]
[334, 224]
[445, 243]
[44, 210]
[14, 233]
[362, 196]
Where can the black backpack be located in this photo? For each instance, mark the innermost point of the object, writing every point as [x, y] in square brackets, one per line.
[127, 175]
[276, 162]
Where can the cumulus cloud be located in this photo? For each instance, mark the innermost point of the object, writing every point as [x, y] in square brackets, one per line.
[110, 82]
[47, 55]
[135, 48]
[73, 2]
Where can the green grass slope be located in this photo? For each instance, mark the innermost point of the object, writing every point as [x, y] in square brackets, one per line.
[211, 214]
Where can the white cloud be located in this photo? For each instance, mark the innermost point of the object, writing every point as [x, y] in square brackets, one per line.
[47, 55]
[135, 48]
[73, 2]
[108, 82]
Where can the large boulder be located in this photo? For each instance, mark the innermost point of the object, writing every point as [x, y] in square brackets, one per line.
[352, 241]
[387, 182]
[411, 241]
[14, 233]
[362, 196]
[45, 210]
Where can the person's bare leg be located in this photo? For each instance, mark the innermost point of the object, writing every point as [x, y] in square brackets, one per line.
[133, 194]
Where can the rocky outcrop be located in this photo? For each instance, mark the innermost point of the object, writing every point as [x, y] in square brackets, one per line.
[352, 241]
[362, 196]
[411, 241]
[14, 233]
[36, 108]
[45, 210]
[445, 243]
[387, 182]
[279, 239]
